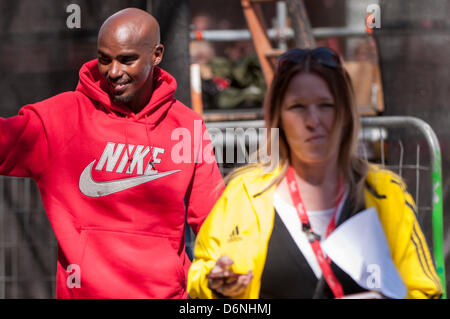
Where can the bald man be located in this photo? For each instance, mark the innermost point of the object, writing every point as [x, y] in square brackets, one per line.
[120, 165]
[128, 51]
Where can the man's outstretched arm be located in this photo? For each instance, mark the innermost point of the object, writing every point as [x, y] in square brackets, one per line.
[23, 144]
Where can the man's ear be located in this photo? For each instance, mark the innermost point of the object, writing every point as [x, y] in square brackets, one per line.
[158, 53]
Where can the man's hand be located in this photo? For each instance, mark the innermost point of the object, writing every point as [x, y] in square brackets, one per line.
[224, 281]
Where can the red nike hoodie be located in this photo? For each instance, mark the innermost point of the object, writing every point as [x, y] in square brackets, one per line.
[116, 186]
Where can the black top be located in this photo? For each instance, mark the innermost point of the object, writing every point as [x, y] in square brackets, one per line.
[287, 274]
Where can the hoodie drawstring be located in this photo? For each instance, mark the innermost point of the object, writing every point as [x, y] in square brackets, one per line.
[130, 158]
[151, 148]
[128, 146]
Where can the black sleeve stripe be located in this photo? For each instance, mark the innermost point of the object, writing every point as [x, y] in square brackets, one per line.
[432, 266]
[373, 191]
[433, 273]
[423, 260]
[420, 260]
[412, 208]
[402, 186]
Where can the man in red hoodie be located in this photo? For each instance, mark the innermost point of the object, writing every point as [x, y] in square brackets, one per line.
[120, 164]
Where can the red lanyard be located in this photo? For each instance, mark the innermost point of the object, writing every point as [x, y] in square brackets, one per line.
[313, 238]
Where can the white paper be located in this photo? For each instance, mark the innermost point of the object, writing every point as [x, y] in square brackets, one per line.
[359, 247]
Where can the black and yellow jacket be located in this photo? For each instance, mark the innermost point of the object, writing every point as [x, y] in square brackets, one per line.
[241, 223]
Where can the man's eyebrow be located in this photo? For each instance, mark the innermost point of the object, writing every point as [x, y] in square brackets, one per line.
[128, 55]
[101, 52]
[122, 55]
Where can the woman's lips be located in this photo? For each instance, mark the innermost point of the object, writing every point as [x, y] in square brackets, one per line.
[316, 139]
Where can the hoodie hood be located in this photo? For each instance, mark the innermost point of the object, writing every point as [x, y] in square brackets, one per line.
[93, 84]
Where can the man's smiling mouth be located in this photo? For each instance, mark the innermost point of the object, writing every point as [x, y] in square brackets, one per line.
[118, 88]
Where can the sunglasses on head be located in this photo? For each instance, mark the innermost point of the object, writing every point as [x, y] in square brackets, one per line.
[324, 56]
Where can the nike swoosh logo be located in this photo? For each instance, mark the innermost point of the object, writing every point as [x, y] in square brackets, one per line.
[91, 188]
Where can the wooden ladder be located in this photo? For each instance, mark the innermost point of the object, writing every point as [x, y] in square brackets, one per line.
[267, 55]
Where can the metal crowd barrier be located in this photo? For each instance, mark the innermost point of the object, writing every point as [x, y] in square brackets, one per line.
[432, 167]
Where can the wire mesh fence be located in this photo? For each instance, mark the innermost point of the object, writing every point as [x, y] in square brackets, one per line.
[27, 242]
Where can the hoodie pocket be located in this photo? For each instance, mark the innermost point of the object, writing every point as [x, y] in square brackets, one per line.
[118, 264]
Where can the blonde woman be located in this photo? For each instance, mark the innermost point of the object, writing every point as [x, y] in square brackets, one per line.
[262, 238]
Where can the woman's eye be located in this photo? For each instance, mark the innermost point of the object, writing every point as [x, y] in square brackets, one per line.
[327, 105]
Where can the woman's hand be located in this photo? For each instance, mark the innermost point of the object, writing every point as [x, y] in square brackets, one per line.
[224, 281]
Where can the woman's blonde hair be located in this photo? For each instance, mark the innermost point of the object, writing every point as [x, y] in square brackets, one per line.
[339, 83]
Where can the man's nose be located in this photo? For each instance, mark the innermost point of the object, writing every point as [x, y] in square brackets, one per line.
[115, 72]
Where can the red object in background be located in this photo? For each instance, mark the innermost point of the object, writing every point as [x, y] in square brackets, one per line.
[198, 35]
[221, 83]
[333, 43]
[370, 19]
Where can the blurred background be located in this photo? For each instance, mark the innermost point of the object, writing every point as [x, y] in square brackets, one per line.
[222, 65]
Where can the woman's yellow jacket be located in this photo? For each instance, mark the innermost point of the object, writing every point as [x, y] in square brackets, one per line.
[240, 226]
